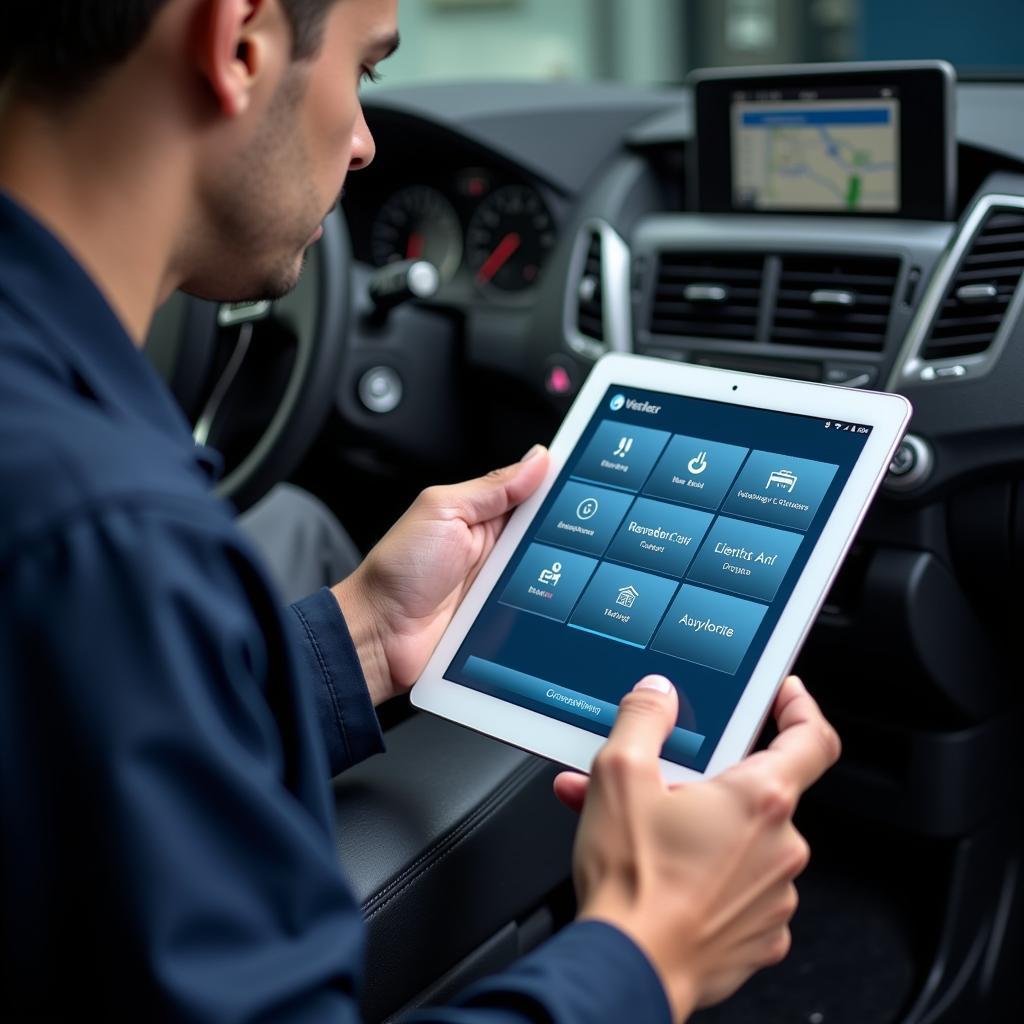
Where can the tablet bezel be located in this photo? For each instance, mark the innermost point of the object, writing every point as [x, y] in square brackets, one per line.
[887, 415]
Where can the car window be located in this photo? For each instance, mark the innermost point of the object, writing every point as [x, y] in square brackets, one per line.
[659, 41]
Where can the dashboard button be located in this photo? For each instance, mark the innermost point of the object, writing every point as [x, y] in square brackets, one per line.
[380, 389]
[903, 461]
[911, 465]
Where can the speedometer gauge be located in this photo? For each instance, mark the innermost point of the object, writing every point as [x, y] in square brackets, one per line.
[509, 237]
[418, 223]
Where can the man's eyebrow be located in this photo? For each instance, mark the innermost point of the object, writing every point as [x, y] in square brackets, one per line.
[386, 45]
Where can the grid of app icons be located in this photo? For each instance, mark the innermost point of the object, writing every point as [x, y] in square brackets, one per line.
[672, 542]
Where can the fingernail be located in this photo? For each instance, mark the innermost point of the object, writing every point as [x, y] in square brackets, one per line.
[535, 450]
[659, 683]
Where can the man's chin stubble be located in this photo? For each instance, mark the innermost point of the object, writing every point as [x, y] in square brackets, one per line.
[272, 288]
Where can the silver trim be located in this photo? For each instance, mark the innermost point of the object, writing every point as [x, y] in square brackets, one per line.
[201, 431]
[918, 473]
[910, 367]
[615, 307]
[832, 297]
[977, 293]
[705, 293]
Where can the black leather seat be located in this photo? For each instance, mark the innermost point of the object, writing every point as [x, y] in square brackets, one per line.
[448, 839]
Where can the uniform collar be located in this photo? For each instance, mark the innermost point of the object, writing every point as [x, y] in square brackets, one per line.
[48, 288]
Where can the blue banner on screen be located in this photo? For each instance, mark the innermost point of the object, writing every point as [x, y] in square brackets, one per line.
[669, 543]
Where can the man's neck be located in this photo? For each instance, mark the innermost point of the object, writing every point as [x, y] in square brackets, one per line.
[110, 195]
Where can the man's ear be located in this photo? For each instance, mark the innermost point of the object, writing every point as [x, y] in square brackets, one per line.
[234, 41]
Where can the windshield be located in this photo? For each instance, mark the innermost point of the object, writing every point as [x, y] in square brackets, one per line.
[660, 41]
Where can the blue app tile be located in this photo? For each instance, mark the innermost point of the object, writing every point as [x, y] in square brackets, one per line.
[780, 489]
[660, 536]
[746, 558]
[623, 604]
[584, 517]
[695, 471]
[548, 581]
[621, 454]
[708, 628]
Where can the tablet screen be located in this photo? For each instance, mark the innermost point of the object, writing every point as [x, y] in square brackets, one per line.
[670, 543]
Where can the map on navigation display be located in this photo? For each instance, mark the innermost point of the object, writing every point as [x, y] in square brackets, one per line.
[839, 155]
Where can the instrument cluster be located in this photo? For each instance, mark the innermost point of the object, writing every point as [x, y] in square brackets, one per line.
[488, 235]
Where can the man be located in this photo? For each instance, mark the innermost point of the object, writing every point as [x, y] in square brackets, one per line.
[167, 731]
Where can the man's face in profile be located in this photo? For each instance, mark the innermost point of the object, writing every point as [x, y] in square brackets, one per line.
[266, 191]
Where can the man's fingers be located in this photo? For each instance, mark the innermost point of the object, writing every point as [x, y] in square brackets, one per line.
[807, 745]
[643, 722]
[571, 789]
[488, 497]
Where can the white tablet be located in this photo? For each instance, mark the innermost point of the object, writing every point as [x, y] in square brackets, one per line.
[690, 525]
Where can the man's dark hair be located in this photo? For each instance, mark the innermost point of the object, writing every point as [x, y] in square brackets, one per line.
[59, 47]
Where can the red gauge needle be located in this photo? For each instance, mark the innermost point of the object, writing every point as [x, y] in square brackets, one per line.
[414, 247]
[504, 249]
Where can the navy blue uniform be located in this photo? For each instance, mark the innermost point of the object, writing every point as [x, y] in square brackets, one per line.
[168, 730]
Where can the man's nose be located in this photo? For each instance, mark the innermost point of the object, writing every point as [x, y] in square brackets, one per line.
[363, 147]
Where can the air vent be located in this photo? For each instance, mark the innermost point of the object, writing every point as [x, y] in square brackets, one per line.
[707, 295]
[976, 301]
[834, 301]
[589, 305]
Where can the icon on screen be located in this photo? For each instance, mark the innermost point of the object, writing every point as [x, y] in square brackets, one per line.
[782, 478]
[587, 508]
[550, 577]
[625, 444]
[627, 595]
[618, 402]
[698, 463]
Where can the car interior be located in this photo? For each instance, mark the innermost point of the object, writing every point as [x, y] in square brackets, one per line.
[505, 237]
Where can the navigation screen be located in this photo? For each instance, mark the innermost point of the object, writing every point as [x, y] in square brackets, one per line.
[670, 543]
[829, 150]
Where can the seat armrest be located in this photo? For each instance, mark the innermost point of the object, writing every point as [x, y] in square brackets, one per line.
[445, 839]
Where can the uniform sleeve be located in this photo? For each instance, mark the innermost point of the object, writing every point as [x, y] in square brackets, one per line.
[168, 849]
[589, 973]
[168, 843]
[330, 665]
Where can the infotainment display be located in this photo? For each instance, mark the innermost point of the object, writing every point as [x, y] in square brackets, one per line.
[835, 150]
[870, 139]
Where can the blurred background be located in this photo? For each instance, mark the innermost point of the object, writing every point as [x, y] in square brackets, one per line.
[659, 41]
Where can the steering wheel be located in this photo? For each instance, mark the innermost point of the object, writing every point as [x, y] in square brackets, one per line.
[258, 379]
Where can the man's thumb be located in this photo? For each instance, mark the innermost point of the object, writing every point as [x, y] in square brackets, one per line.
[646, 717]
[497, 493]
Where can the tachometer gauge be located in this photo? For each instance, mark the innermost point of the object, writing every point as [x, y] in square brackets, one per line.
[418, 223]
[509, 237]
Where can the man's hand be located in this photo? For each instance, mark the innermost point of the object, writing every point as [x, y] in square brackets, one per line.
[700, 875]
[399, 601]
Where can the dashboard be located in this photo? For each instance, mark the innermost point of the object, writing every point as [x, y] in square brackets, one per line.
[566, 221]
[487, 226]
